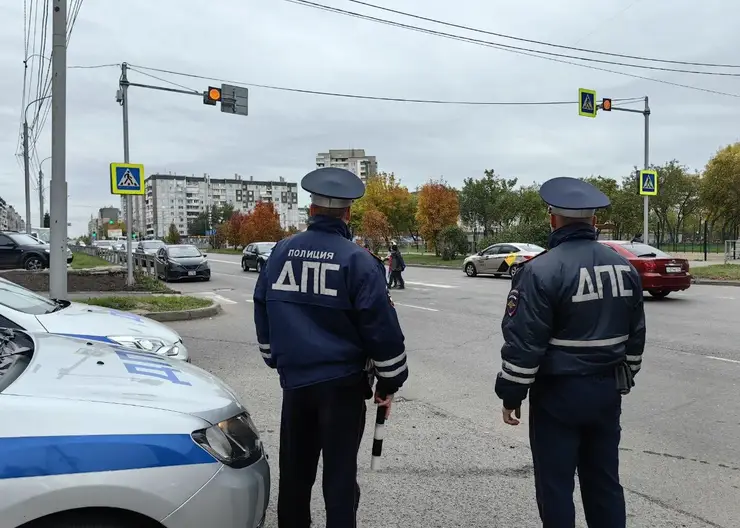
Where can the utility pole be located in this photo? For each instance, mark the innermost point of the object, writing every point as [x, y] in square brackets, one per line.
[123, 99]
[58, 199]
[41, 198]
[646, 202]
[27, 176]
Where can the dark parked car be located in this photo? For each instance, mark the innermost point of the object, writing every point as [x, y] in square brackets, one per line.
[181, 262]
[19, 250]
[255, 255]
[661, 273]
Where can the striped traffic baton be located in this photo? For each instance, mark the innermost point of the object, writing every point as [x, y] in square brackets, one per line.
[378, 436]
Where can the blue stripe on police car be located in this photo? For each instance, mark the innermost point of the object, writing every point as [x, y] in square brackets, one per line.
[43, 456]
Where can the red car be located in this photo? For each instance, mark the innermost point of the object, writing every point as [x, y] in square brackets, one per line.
[661, 273]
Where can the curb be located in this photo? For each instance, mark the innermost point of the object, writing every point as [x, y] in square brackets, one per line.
[184, 315]
[713, 282]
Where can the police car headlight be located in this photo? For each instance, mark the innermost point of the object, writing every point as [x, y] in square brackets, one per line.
[234, 442]
[148, 344]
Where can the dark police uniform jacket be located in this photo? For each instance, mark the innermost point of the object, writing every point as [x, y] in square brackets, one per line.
[322, 310]
[576, 309]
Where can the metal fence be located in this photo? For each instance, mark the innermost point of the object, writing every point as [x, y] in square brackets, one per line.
[143, 263]
[732, 250]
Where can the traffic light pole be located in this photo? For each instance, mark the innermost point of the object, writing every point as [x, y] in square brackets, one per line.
[646, 199]
[129, 199]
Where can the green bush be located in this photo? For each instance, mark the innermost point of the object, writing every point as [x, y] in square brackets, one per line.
[451, 242]
[524, 233]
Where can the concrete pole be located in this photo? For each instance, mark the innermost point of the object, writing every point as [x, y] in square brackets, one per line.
[41, 198]
[646, 202]
[58, 199]
[27, 174]
[129, 198]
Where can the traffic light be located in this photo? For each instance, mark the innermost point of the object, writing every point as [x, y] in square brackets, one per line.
[212, 96]
[110, 222]
[606, 105]
[94, 234]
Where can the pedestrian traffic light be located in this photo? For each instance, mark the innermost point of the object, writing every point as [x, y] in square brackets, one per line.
[212, 96]
[606, 105]
[110, 222]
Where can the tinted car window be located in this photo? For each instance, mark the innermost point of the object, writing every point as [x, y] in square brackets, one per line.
[640, 250]
[5, 241]
[24, 240]
[491, 250]
[265, 247]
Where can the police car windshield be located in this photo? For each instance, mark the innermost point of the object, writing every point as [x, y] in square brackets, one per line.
[265, 247]
[185, 251]
[643, 250]
[23, 300]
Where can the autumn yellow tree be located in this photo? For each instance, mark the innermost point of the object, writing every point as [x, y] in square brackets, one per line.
[375, 229]
[438, 207]
[384, 193]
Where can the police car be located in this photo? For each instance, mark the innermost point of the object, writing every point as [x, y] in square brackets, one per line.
[95, 435]
[23, 309]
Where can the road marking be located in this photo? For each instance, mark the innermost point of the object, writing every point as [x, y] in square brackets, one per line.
[417, 307]
[729, 298]
[430, 285]
[249, 300]
[215, 297]
[724, 359]
[225, 262]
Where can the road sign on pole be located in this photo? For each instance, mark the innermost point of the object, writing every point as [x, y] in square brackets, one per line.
[126, 178]
[648, 183]
[586, 102]
[234, 99]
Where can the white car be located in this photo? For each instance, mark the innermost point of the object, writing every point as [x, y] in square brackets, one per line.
[94, 435]
[500, 259]
[23, 309]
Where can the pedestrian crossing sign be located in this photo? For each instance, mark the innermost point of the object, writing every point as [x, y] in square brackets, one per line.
[126, 178]
[586, 102]
[648, 183]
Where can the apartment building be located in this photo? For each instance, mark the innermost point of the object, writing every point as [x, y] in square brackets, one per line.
[353, 160]
[173, 198]
[105, 216]
[10, 220]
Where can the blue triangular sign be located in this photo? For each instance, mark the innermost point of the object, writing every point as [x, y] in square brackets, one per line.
[127, 180]
[648, 185]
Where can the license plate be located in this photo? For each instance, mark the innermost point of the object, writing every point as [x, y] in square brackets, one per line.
[191, 273]
[673, 269]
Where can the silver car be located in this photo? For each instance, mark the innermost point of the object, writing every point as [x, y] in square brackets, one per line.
[98, 435]
[500, 259]
[23, 309]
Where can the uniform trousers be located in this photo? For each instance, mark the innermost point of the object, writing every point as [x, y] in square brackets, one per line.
[574, 425]
[329, 419]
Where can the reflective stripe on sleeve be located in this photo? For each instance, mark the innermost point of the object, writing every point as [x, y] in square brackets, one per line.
[634, 358]
[635, 368]
[266, 355]
[519, 370]
[392, 373]
[390, 362]
[264, 346]
[589, 343]
[516, 379]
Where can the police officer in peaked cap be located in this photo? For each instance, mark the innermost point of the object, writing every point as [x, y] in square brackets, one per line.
[574, 333]
[326, 322]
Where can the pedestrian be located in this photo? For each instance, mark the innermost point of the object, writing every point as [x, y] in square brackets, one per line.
[325, 320]
[574, 333]
[396, 266]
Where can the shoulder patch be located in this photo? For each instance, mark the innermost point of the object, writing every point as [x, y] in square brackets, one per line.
[512, 303]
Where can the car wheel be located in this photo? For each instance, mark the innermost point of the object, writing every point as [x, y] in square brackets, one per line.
[513, 270]
[259, 266]
[244, 266]
[93, 520]
[659, 294]
[33, 263]
[470, 270]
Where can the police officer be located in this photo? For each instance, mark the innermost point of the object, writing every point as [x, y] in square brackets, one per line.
[323, 313]
[574, 332]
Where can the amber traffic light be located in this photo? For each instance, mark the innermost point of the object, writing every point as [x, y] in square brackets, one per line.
[606, 105]
[212, 96]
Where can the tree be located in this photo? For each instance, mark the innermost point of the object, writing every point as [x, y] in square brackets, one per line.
[384, 193]
[678, 196]
[262, 224]
[375, 229]
[173, 235]
[47, 220]
[484, 203]
[438, 208]
[452, 242]
[720, 188]
[292, 230]
[233, 231]
[199, 225]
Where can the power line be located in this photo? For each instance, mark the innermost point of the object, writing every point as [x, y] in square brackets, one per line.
[506, 46]
[366, 97]
[503, 47]
[544, 43]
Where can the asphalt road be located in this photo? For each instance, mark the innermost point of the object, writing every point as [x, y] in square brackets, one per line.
[450, 461]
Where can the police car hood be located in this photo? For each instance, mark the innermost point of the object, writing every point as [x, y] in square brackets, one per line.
[90, 321]
[82, 370]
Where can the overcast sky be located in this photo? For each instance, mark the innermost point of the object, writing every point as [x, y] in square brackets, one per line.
[279, 43]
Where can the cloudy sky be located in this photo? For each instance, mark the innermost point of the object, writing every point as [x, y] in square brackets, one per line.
[275, 42]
